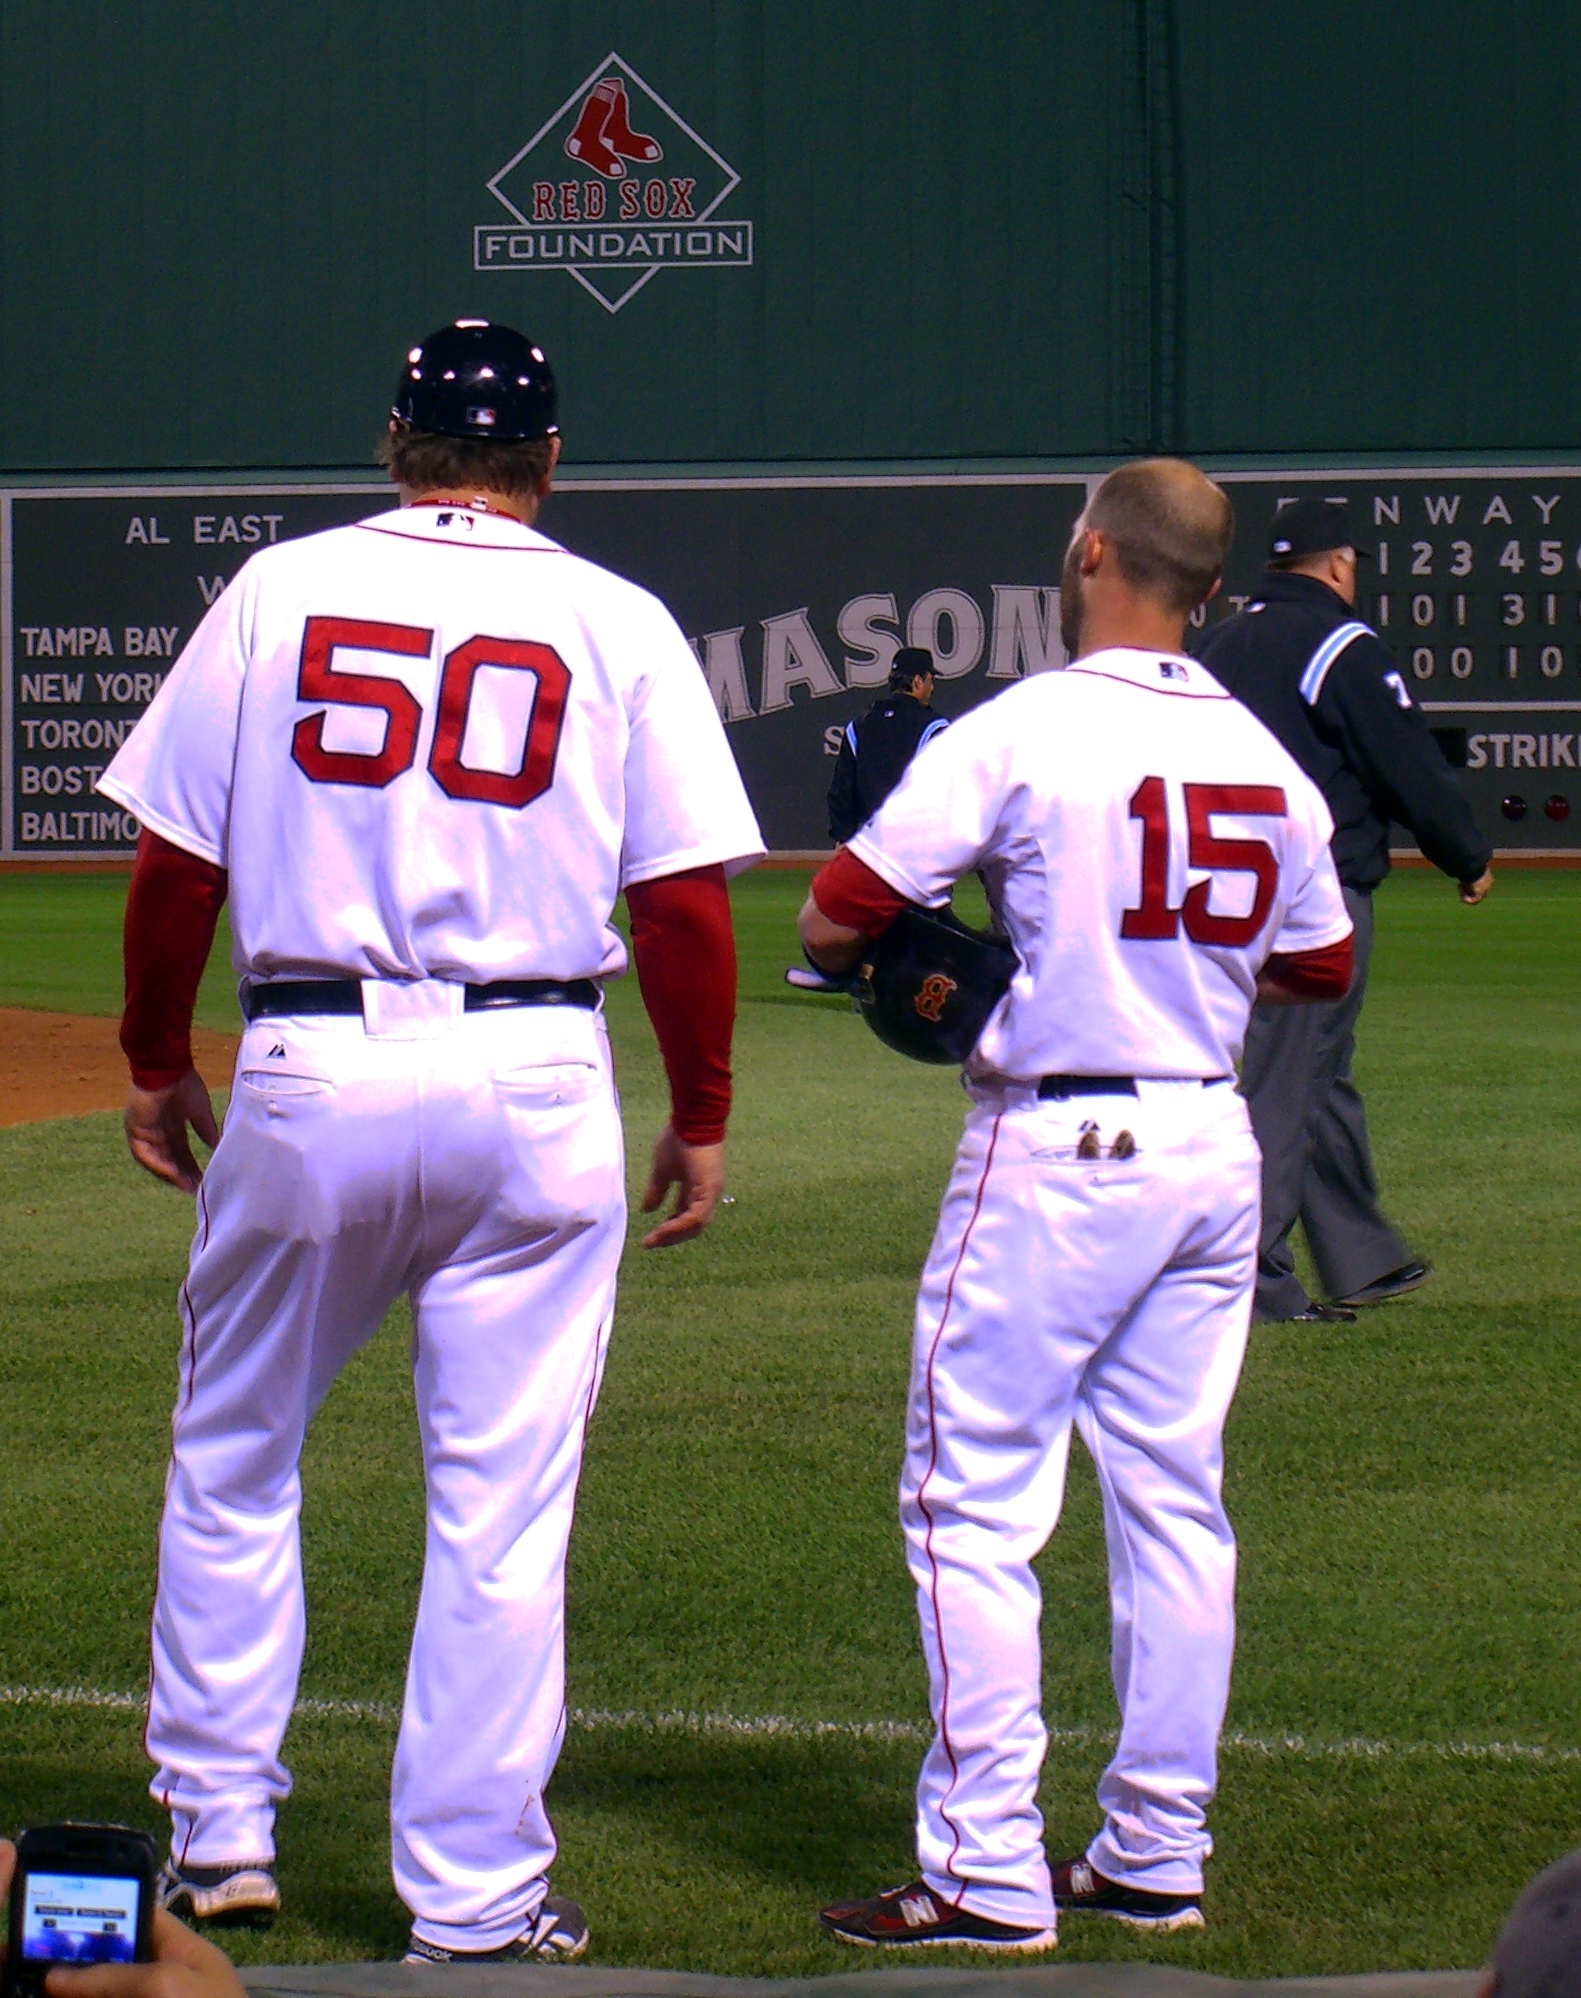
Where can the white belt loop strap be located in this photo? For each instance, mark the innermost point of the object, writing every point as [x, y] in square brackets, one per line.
[418, 1009]
[1317, 666]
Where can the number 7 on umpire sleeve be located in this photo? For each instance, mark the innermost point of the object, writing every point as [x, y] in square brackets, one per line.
[1153, 920]
[318, 681]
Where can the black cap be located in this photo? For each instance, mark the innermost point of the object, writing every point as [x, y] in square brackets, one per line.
[1538, 1953]
[475, 379]
[911, 662]
[1312, 527]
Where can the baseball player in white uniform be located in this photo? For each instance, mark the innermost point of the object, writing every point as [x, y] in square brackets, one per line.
[423, 755]
[1157, 859]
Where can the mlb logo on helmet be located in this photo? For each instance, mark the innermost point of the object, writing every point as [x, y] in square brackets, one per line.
[614, 187]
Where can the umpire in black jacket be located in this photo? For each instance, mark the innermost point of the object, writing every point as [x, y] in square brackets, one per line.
[1321, 680]
[876, 750]
[874, 754]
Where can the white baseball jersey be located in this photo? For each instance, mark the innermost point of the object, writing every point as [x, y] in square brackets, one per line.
[1146, 844]
[434, 745]
[431, 749]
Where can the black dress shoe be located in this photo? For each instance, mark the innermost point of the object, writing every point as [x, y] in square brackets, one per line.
[1315, 1314]
[1408, 1277]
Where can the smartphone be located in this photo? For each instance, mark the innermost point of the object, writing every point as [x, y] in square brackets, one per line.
[81, 1894]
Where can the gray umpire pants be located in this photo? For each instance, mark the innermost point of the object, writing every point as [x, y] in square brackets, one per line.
[1312, 1127]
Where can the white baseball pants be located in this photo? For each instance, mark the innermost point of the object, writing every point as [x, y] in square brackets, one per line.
[1114, 1293]
[474, 1160]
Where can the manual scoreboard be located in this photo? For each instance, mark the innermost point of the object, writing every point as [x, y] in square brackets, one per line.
[1476, 590]
[795, 593]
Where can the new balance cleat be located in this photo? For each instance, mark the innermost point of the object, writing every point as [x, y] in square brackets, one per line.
[915, 1917]
[558, 1934]
[245, 1893]
[1080, 1889]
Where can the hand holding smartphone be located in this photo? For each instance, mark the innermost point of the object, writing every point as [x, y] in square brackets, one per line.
[83, 1916]
[81, 1895]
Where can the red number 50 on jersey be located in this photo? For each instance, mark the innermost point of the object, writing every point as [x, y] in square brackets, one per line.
[316, 681]
[1153, 920]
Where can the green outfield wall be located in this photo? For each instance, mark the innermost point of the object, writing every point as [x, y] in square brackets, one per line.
[922, 230]
[848, 302]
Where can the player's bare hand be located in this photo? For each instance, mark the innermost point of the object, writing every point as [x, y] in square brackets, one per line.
[698, 1173]
[829, 945]
[156, 1123]
[1472, 892]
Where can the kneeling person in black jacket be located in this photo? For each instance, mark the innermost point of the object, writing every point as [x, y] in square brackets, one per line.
[1324, 684]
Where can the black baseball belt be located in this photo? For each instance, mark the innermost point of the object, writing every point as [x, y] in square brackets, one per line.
[344, 995]
[1058, 1088]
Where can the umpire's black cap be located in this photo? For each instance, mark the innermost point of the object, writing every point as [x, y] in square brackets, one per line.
[911, 662]
[1538, 1953]
[476, 379]
[1312, 527]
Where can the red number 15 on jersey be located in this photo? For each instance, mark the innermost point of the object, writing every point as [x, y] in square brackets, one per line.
[1153, 920]
[317, 681]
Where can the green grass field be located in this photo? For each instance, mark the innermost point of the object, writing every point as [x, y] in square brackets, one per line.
[1406, 1740]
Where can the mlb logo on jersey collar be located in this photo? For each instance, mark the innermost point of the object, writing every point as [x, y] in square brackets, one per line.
[460, 527]
[1153, 670]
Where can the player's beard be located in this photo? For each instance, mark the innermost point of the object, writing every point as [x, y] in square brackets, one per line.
[1071, 608]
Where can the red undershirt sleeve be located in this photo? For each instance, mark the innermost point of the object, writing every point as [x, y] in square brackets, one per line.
[172, 909]
[684, 946]
[1315, 974]
[849, 893]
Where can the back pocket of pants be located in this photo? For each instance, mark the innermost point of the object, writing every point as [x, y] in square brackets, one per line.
[276, 1094]
[547, 1085]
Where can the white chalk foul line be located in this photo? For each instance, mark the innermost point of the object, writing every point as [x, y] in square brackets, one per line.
[785, 1727]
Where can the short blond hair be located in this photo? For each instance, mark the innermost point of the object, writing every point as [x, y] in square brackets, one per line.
[1170, 527]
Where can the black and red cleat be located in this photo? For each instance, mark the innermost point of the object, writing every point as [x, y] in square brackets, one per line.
[1080, 1889]
[914, 1917]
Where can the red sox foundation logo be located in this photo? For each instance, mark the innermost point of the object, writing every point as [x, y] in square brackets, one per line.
[603, 135]
[614, 188]
[933, 995]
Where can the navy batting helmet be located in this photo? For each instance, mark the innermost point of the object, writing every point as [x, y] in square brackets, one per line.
[927, 986]
[475, 379]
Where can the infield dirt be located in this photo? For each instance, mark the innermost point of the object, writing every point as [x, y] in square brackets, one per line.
[65, 1064]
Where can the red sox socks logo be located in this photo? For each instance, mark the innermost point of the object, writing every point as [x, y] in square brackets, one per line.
[613, 188]
[603, 135]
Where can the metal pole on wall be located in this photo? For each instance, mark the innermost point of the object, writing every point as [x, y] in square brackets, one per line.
[1152, 262]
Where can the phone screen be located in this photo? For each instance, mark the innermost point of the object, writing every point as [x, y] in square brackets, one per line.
[79, 1918]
